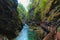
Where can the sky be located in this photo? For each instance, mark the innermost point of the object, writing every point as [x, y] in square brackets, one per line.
[24, 2]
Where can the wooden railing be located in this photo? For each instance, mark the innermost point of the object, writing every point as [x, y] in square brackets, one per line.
[50, 34]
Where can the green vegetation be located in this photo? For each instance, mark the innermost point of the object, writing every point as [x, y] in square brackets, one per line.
[22, 12]
[58, 29]
[44, 12]
[41, 15]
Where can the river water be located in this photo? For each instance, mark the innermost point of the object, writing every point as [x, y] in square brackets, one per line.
[23, 35]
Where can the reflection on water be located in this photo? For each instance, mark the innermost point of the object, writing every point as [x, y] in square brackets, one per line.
[23, 35]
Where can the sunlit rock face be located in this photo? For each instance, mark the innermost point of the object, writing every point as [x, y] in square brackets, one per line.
[23, 35]
[9, 20]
